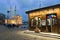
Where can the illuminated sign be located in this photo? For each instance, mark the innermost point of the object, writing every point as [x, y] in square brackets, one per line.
[51, 16]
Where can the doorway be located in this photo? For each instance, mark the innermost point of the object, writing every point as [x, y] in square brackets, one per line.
[51, 21]
[36, 22]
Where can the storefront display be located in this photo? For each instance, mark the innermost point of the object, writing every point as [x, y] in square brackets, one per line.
[43, 25]
[51, 20]
[47, 20]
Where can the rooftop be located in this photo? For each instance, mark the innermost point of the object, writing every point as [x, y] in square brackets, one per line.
[52, 6]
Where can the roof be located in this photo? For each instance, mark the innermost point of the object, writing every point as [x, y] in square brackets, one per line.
[53, 6]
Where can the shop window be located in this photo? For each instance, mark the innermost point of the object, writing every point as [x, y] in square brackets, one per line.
[51, 19]
[39, 22]
[32, 23]
[43, 22]
[36, 21]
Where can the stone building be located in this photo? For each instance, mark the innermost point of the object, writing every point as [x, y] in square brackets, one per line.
[14, 20]
[47, 19]
[2, 18]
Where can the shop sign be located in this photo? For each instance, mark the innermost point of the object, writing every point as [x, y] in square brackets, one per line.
[43, 22]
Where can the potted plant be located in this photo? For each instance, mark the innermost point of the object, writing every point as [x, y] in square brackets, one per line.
[37, 30]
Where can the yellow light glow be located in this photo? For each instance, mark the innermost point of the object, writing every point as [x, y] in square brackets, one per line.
[13, 22]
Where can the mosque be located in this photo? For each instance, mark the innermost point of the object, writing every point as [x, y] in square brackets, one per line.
[16, 19]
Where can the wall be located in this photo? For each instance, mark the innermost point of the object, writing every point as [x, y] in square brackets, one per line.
[14, 20]
[42, 15]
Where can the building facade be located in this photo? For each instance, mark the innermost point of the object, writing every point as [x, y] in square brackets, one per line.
[2, 18]
[47, 19]
[18, 19]
[14, 20]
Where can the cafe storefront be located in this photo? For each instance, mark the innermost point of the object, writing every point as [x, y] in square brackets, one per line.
[47, 19]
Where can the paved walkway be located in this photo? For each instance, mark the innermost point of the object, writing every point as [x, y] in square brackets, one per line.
[43, 34]
[17, 34]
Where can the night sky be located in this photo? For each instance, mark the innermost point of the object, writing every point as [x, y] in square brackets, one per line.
[24, 5]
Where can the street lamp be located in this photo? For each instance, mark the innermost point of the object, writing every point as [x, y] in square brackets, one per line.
[8, 16]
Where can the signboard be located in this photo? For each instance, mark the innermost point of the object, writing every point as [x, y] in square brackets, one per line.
[51, 16]
[43, 22]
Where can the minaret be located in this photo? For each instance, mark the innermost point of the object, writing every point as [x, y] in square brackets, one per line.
[15, 10]
[15, 14]
[10, 11]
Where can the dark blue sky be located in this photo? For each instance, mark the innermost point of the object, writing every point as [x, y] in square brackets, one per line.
[24, 5]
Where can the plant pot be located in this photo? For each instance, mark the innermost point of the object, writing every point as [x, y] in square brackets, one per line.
[37, 30]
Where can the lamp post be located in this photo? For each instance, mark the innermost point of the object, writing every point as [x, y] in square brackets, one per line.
[8, 16]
